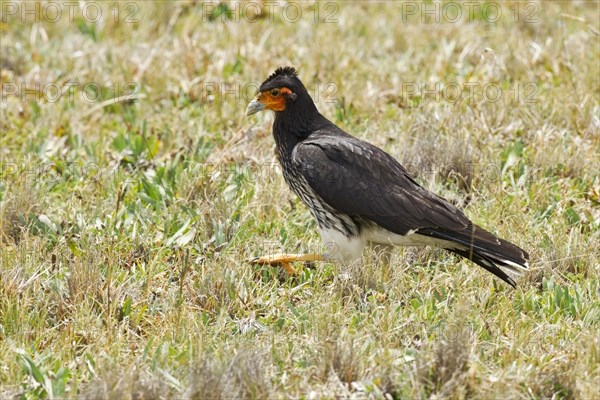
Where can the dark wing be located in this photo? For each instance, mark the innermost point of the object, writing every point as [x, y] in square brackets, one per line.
[357, 178]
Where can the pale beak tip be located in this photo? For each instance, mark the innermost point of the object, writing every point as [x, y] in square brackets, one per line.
[254, 106]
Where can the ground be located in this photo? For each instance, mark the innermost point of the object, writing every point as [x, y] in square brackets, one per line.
[133, 188]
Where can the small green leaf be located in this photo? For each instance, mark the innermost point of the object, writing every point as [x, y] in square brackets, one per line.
[179, 233]
[74, 248]
[31, 368]
[126, 308]
[572, 216]
[186, 238]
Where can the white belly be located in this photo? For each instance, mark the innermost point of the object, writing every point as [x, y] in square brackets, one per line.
[339, 247]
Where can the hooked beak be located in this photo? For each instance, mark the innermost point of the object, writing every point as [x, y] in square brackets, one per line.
[254, 106]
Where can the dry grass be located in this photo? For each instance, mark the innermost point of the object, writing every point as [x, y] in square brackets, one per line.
[124, 224]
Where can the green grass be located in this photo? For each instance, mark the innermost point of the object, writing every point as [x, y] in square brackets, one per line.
[125, 223]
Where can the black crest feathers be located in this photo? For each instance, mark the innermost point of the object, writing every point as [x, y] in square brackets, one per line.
[281, 71]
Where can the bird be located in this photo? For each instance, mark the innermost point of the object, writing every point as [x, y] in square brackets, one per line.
[360, 195]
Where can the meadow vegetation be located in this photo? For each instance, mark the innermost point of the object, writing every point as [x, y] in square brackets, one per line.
[130, 201]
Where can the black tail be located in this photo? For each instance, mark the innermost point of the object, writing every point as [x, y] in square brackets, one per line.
[483, 248]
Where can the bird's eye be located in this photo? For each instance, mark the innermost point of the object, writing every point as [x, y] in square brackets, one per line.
[275, 92]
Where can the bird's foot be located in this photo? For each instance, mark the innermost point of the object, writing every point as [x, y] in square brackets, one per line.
[285, 260]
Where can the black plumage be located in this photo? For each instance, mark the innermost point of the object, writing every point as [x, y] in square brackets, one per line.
[357, 189]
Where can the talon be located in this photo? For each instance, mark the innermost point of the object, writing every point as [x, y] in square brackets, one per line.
[288, 268]
[265, 260]
[285, 260]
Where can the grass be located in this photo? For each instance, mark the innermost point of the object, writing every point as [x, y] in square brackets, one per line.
[125, 222]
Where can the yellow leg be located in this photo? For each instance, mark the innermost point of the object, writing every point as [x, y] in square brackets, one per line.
[285, 260]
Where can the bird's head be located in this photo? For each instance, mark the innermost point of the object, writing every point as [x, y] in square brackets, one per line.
[278, 92]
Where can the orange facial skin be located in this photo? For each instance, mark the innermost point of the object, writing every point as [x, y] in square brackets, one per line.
[274, 99]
